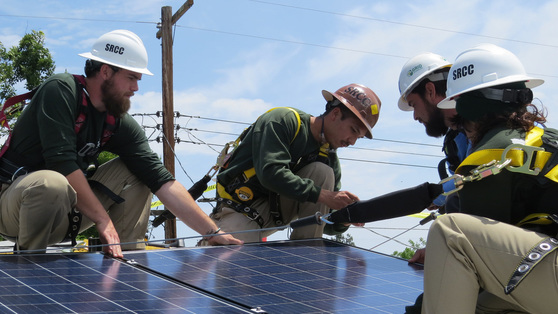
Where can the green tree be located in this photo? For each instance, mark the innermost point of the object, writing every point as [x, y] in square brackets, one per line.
[410, 251]
[30, 62]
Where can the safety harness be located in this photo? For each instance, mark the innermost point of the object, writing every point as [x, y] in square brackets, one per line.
[9, 170]
[8, 108]
[539, 158]
[244, 189]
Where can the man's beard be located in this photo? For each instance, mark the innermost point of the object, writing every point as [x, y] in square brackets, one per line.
[436, 126]
[117, 105]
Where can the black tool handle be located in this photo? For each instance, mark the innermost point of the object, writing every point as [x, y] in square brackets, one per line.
[307, 221]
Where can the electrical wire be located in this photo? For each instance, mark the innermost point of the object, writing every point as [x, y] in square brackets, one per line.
[405, 24]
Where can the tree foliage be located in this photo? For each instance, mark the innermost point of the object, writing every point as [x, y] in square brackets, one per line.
[30, 63]
[410, 251]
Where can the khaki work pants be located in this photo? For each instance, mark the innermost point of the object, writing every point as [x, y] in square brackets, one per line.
[465, 253]
[230, 220]
[34, 208]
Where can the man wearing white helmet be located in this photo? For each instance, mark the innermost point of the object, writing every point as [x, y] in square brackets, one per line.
[422, 85]
[286, 166]
[504, 241]
[47, 196]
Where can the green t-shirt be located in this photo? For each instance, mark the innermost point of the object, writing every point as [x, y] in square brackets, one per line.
[44, 136]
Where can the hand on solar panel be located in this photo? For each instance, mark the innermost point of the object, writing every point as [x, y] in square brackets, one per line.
[419, 256]
[223, 239]
[181, 203]
[108, 235]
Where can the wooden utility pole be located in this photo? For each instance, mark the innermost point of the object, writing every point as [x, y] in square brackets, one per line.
[165, 34]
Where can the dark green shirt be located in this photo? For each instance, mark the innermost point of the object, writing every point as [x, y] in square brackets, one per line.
[269, 148]
[44, 136]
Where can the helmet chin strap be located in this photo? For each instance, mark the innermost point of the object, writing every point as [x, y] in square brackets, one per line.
[508, 95]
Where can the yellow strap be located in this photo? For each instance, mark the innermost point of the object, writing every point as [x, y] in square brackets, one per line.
[252, 171]
[484, 156]
[297, 119]
[249, 173]
[532, 138]
[222, 193]
[536, 218]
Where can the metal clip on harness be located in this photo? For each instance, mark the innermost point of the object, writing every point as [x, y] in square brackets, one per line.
[479, 173]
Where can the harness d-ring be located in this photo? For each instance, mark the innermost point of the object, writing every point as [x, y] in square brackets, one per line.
[529, 152]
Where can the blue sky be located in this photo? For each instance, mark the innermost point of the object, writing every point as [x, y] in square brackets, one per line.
[233, 60]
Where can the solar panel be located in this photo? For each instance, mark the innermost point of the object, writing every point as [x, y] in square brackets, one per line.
[91, 283]
[307, 276]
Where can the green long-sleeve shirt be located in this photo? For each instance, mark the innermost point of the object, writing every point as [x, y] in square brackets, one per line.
[269, 147]
[44, 135]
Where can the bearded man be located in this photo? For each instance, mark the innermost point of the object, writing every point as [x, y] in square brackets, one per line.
[48, 194]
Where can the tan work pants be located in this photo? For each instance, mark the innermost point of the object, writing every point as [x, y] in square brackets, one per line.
[230, 220]
[34, 208]
[465, 253]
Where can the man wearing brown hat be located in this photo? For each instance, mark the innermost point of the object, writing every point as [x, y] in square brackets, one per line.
[286, 166]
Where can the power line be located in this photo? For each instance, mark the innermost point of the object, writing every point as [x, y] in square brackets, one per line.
[75, 19]
[179, 140]
[405, 24]
[298, 42]
[350, 147]
[190, 130]
[294, 42]
[387, 163]
[179, 115]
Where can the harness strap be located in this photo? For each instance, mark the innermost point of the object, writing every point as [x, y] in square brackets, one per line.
[108, 192]
[110, 121]
[538, 160]
[3, 117]
[531, 259]
[297, 119]
[275, 208]
[12, 101]
[247, 211]
[538, 219]
[10, 171]
[75, 219]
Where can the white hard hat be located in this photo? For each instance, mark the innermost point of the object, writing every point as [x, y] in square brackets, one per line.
[484, 66]
[120, 48]
[415, 70]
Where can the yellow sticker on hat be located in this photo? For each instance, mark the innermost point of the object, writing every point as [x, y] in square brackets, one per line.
[374, 109]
